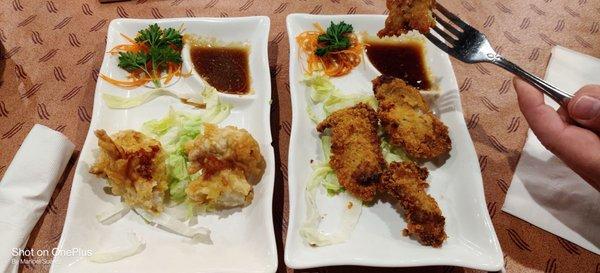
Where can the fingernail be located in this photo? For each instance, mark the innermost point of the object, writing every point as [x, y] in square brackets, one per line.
[586, 108]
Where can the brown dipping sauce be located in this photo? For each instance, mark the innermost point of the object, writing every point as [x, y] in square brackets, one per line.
[401, 60]
[224, 68]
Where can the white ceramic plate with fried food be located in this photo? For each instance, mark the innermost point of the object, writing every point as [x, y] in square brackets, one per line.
[377, 239]
[243, 239]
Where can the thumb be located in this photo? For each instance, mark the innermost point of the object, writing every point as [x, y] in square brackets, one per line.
[585, 107]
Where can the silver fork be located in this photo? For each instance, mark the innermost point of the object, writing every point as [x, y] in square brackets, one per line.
[467, 44]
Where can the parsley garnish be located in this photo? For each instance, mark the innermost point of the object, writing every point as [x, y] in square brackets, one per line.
[335, 38]
[163, 47]
[132, 61]
[160, 56]
[156, 37]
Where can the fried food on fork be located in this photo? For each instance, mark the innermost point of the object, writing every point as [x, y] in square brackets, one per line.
[356, 153]
[406, 15]
[135, 167]
[408, 121]
[406, 182]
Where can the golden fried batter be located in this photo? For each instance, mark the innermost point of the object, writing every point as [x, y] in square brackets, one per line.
[231, 163]
[406, 182]
[356, 154]
[407, 120]
[224, 189]
[135, 167]
[406, 15]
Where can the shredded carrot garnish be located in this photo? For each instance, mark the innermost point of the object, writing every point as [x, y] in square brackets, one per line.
[333, 64]
[171, 69]
[131, 40]
[136, 82]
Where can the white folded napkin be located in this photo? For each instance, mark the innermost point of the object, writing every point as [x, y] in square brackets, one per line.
[26, 187]
[544, 191]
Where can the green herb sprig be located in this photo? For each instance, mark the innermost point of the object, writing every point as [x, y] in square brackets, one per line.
[335, 38]
[164, 46]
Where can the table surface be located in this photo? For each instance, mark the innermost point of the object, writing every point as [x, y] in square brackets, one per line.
[52, 51]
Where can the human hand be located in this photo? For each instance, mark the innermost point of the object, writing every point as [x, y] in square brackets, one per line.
[572, 133]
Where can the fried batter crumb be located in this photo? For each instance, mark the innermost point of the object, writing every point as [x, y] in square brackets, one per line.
[356, 154]
[406, 15]
[406, 182]
[407, 120]
[231, 163]
[135, 168]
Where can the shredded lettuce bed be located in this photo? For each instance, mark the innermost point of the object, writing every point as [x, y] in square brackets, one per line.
[164, 221]
[329, 98]
[176, 129]
[119, 102]
[173, 131]
[326, 99]
[350, 212]
[136, 246]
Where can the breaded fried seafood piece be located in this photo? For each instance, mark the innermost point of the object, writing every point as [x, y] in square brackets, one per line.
[406, 182]
[406, 15]
[356, 153]
[135, 167]
[230, 161]
[407, 120]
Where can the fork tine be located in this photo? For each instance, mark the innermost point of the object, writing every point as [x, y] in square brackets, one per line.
[447, 26]
[460, 23]
[445, 35]
[441, 45]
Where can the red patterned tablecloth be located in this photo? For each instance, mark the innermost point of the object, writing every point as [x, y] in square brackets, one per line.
[52, 50]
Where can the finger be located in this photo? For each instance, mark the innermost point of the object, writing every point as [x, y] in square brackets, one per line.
[585, 107]
[543, 120]
[576, 146]
[563, 113]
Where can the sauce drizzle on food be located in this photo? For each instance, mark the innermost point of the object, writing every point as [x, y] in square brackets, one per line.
[224, 68]
[404, 60]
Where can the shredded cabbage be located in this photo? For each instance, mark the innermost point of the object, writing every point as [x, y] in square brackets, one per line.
[324, 93]
[326, 146]
[392, 153]
[329, 180]
[309, 230]
[181, 212]
[178, 128]
[171, 224]
[177, 165]
[321, 86]
[113, 214]
[119, 102]
[331, 184]
[312, 115]
[136, 246]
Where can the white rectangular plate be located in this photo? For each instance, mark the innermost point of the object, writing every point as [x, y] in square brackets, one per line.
[243, 239]
[377, 239]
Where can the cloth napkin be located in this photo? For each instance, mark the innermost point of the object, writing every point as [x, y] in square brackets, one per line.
[26, 187]
[544, 191]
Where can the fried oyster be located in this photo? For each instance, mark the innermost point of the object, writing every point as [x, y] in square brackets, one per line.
[407, 120]
[405, 181]
[230, 163]
[406, 15]
[356, 153]
[135, 167]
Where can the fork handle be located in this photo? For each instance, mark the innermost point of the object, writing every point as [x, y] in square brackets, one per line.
[557, 95]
